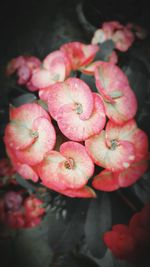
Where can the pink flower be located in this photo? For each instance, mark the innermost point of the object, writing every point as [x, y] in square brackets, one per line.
[24, 66]
[118, 147]
[67, 170]
[79, 54]
[78, 112]
[28, 137]
[33, 207]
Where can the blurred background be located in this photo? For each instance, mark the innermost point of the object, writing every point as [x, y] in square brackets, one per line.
[35, 27]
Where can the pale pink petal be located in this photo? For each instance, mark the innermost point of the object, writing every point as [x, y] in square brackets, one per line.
[123, 108]
[99, 37]
[27, 113]
[42, 78]
[18, 135]
[56, 62]
[106, 81]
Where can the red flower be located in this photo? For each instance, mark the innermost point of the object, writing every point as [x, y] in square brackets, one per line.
[33, 207]
[15, 219]
[121, 242]
[131, 242]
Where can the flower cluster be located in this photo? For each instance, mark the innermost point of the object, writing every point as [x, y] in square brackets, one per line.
[79, 115]
[122, 36]
[17, 211]
[131, 242]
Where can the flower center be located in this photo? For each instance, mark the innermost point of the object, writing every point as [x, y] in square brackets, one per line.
[69, 163]
[114, 144]
[34, 134]
[78, 108]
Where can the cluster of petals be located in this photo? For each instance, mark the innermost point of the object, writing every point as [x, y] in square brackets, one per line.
[64, 165]
[23, 66]
[131, 242]
[121, 35]
[28, 137]
[55, 67]
[19, 212]
[71, 56]
[123, 153]
[78, 112]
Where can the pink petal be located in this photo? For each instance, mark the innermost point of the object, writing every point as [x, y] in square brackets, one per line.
[48, 171]
[27, 113]
[44, 93]
[24, 74]
[24, 170]
[18, 135]
[56, 62]
[132, 174]
[79, 54]
[106, 82]
[123, 109]
[84, 192]
[42, 78]
[14, 64]
[106, 181]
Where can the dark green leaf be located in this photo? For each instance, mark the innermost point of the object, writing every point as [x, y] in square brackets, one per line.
[98, 221]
